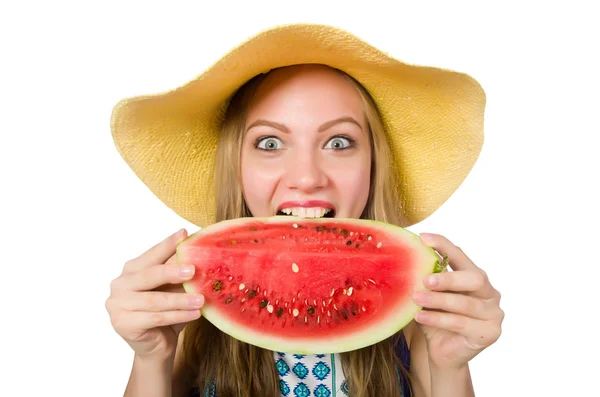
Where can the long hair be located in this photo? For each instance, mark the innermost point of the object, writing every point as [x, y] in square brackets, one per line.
[239, 369]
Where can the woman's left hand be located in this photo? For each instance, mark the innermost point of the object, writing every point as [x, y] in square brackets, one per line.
[461, 313]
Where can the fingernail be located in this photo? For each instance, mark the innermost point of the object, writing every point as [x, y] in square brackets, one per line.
[421, 316]
[421, 297]
[425, 236]
[186, 271]
[197, 300]
[432, 280]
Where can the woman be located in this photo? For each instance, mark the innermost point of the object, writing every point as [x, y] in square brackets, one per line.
[265, 131]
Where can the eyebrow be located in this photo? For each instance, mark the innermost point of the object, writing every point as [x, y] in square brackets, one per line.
[322, 128]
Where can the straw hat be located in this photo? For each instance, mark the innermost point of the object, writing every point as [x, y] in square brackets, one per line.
[433, 117]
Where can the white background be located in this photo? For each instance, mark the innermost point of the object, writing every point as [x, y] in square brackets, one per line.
[72, 212]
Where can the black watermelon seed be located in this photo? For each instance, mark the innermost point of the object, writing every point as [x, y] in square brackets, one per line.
[263, 303]
[357, 245]
[229, 299]
[343, 232]
[217, 286]
[348, 242]
[344, 314]
[311, 310]
[279, 312]
[251, 294]
[252, 229]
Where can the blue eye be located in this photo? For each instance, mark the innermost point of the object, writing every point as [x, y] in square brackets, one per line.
[339, 143]
[268, 143]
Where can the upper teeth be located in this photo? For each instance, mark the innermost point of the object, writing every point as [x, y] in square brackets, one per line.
[314, 212]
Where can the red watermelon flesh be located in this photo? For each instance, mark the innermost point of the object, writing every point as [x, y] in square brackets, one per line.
[307, 285]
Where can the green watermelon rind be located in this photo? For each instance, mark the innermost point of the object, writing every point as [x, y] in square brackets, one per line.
[429, 263]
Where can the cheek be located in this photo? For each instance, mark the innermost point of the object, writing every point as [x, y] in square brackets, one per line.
[358, 181]
[353, 183]
[258, 183]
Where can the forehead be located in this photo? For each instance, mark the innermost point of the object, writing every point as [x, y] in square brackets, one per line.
[314, 89]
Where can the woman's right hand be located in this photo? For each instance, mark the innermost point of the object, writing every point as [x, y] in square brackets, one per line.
[148, 306]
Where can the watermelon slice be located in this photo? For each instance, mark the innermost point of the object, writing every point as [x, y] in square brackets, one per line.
[307, 286]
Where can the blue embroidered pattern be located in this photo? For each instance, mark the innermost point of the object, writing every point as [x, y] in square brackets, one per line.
[282, 367]
[284, 388]
[211, 391]
[322, 391]
[301, 390]
[321, 370]
[300, 370]
[345, 388]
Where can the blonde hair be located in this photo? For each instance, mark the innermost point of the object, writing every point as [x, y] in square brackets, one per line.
[240, 369]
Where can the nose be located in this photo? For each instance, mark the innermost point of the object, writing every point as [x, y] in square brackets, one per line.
[305, 172]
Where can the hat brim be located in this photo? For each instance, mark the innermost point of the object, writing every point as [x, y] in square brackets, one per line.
[433, 118]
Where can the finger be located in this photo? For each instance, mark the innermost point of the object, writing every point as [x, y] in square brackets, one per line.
[162, 301]
[455, 303]
[177, 287]
[457, 259]
[480, 333]
[474, 282]
[158, 254]
[143, 321]
[171, 287]
[156, 276]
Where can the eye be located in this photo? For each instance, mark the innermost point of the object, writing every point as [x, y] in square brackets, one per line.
[268, 143]
[339, 143]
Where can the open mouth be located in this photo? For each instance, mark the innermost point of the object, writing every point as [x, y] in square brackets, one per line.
[310, 212]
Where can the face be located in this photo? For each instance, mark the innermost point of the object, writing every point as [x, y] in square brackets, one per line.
[306, 148]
